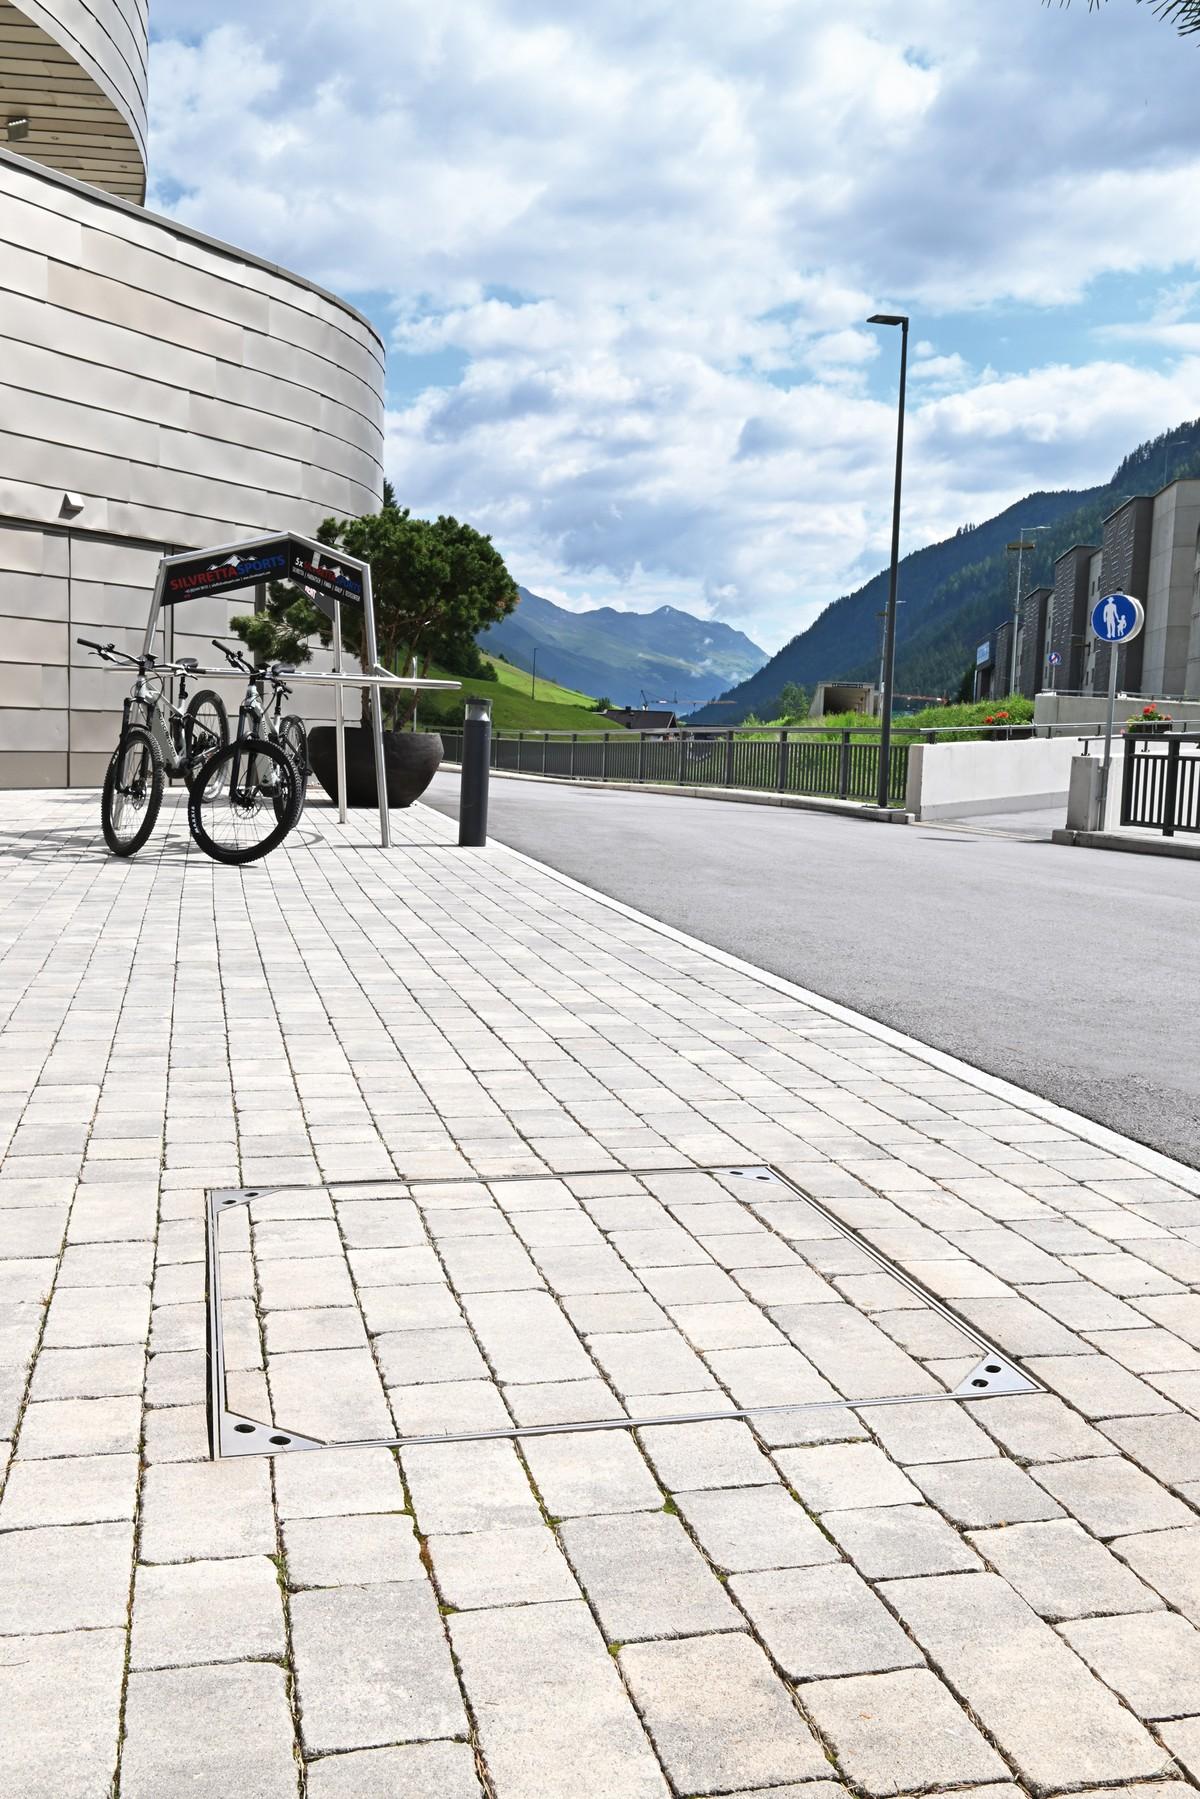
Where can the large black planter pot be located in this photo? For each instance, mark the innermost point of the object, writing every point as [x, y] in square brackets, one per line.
[411, 759]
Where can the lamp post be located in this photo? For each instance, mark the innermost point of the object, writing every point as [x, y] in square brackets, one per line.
[1020, 546]
[889, 636]
[533, 689]
[1178, 438]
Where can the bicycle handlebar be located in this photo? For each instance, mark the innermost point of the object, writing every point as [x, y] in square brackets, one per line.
[235, 658]
[110, 653]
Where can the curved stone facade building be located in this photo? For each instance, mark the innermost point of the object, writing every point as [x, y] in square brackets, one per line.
[159, 390]
[76, 69]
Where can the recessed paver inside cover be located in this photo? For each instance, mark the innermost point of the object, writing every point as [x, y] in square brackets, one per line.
[391, 1313]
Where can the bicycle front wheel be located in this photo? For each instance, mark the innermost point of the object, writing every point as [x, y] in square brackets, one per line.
[133, 790]
[205, 725]
[243, 801]
[293, 737]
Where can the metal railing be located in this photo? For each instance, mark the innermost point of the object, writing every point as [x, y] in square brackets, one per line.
[825, 764]
[1160, 783]
[819, 761]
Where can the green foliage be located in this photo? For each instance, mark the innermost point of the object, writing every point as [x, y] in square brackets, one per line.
[464, 659]
[282, 631]
[970, 719]
[793, 703]
[602, 705]
[436, 584]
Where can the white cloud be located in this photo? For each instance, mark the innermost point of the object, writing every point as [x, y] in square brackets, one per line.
[649, 237]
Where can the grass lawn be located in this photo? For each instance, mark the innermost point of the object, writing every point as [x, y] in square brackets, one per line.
[555, 708]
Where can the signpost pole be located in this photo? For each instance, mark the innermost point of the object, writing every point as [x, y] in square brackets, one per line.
[1108, 734]
[339, 713]
[1116, 619]
[385, 823]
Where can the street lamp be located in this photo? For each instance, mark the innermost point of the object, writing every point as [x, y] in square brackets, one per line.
[889, 638]
[533, 689]
[1178, 438]
[1020, 546]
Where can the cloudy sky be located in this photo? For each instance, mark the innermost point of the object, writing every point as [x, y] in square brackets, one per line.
[622, 251]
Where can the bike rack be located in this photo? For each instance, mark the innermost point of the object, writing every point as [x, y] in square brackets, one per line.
[330, 578]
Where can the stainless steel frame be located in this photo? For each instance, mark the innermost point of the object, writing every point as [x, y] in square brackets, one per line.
[232, 1434]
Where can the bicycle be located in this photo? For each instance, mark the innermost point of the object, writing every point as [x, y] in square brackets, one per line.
[287, 729]
[157, 738]
[249, 795]
[244, 801]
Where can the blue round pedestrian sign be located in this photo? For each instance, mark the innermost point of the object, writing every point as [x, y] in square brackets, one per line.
[1117, 618]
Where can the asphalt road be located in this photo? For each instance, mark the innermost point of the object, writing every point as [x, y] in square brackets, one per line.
[1073, 973]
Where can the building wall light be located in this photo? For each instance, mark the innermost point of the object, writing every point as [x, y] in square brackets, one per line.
[17, 126]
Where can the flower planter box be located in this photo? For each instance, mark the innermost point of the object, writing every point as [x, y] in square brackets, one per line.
[411, 759]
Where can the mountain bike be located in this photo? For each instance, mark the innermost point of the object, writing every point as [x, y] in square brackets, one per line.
[249, 795]
[158, 738]
[286, 729]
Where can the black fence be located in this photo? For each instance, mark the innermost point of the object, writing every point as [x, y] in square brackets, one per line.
[829, 765]
[1160, 786]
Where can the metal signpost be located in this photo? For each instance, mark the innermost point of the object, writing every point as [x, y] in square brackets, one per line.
[1053, 662]
[331, 579]
[1116, 619]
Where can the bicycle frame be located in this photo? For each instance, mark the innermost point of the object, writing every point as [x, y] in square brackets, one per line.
[162, 718]
[149, 706]
[254, 725]
[257, 715]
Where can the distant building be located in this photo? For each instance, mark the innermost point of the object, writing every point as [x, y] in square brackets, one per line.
[1031, 640]
[634, 718]
[1150, 547]
[844, 696]
[993, 664]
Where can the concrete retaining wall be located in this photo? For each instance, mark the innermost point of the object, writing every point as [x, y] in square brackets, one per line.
[952, 780]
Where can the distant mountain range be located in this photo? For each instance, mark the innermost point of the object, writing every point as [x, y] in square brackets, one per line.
[953, 593]
[666, 655]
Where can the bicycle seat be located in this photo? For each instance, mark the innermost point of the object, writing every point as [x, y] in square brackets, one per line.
[189, 663]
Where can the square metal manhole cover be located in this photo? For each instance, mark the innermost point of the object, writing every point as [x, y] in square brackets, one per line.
[396, 1313]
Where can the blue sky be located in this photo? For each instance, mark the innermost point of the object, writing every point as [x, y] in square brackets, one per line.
[622, 252]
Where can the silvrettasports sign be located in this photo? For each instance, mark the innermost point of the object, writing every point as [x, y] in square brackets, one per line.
[279, 559]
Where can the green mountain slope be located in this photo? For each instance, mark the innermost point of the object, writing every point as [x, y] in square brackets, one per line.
[514, 706]
[953, 593]
[667, 654]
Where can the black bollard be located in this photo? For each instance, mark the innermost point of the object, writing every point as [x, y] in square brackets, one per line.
[476, 761]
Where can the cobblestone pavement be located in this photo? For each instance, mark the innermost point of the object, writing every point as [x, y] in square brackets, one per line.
[528, 1084]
